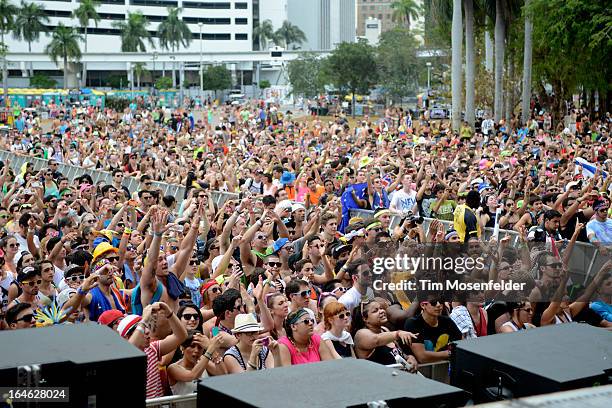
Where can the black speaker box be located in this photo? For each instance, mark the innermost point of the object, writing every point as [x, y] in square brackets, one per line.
[339, 383]
[530, 362]
[100, 368]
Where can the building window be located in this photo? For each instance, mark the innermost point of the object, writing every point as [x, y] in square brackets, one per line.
[241, 36]
[207, 20]
[371, 7]
[211, 36]
[241, 6]
[154, 3]
[206, 5]
[241, 21]
[380, 16]
[57, 13]
[121, 2]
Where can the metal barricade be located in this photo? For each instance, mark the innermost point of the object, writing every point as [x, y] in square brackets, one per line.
[434, 371]
[174, 401]
[585, 261]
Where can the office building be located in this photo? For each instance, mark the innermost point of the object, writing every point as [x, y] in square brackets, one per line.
[326, 23]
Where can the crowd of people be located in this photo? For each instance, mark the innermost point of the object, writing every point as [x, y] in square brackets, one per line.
[282, 274]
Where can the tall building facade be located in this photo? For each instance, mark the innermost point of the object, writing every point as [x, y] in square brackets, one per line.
[227, 25]
[378, 9]
[326, 23]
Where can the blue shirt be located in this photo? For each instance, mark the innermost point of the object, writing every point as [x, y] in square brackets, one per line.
[603, 309]
[599, 231]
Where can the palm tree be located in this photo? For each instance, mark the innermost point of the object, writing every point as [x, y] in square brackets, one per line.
[64, 45]
[404, 10]
[526, 99]
[264, 32]
[288, 34]
[470, 64]
[500, 36]
[133, 32]
[456, 85]
[30, 22]
[85, 12]
[139, 70]
[7, 13]
[173, 32]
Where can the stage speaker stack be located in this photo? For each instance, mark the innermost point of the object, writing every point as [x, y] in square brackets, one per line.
[339, 383]
[531, 362]
[100, 368]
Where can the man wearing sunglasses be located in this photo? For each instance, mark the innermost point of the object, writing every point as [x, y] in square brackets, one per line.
[29, 280]
[299, 293]
[20, 316]
[434, 331]
[599, 229]
[361, 276]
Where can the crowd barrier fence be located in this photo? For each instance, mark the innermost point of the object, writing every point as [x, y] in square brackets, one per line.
[585, 259]
[434, 371]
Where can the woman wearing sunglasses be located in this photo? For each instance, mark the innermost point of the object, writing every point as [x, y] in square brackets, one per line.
[300, 345]
[210, 290]
[190, 317]
[195, 363]
[47, 291]
[337, 321]
[521, 313]
[273, 308]
[10, 247]
[373, 341]
[251, 353]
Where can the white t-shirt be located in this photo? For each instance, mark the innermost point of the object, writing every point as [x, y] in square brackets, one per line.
[402, 201]
[487, 125]
[352, 297]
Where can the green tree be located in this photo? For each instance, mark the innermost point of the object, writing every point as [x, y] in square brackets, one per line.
[263, 33]
[140, 69]
[7, 22]
[117, 81]
[288, 34]
[264, 83]
[559, 42]
[404, 10]
[217, 78]
[173, 32]
[306, 75]
[30, 22]
[134, 32]
[163, 83]
[349, 68]
[42, 81]
[64, 45]
[398, 64]
[84, 13]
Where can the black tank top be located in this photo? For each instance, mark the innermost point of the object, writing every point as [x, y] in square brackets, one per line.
[383, 355]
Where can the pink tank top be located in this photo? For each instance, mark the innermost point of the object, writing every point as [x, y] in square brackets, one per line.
[309, 356]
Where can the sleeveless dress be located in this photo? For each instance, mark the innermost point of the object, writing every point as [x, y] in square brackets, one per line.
[234, 352]
[309, 356]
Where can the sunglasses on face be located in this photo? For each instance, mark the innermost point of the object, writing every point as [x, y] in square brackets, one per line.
[239, 307]
[131, 248]
[339, 289]
[32, 283]
[346, 314]
[554, 265]
[13, 245]
[191, 316]
[434, 303]
[75, 278]
[274, 264]
[113, 258]
[215, 289]
[26, 318]
[528, 310]
[307, 322]
[5, 216]
[261, 237]
[193, 262]
[304, 293]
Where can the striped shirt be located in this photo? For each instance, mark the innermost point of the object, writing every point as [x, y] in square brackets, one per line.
[154, 384]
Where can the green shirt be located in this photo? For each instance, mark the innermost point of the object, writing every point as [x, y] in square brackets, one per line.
[445, 211]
